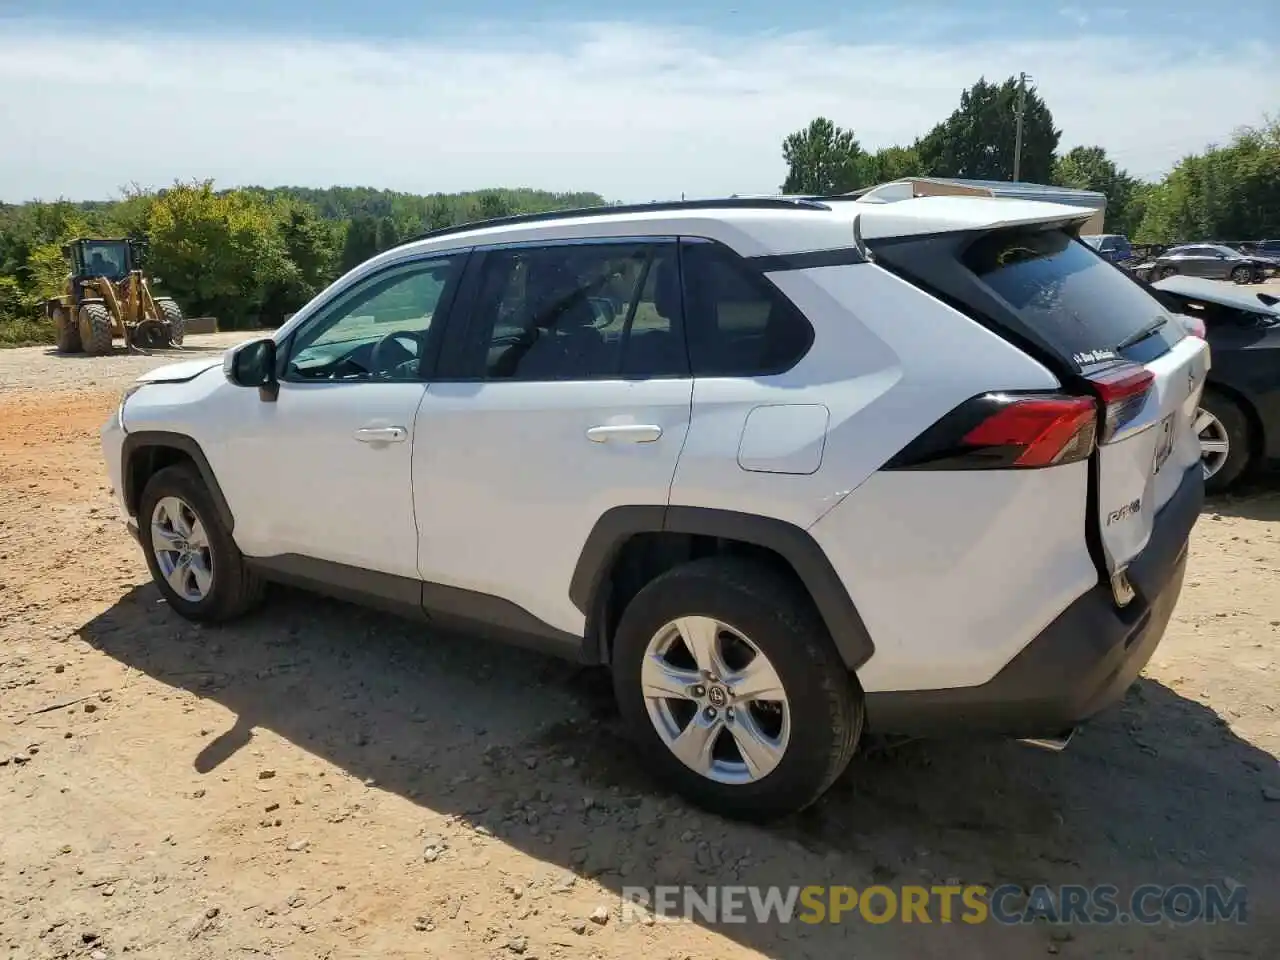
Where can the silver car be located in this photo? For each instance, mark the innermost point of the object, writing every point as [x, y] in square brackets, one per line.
[1214, 262]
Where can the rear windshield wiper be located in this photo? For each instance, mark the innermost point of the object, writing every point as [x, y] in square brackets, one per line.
[1150, 330]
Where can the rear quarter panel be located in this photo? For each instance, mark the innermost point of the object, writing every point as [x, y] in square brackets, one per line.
[887, 361]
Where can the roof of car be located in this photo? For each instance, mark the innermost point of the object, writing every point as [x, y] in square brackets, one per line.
[1216, 291]
[755, 225]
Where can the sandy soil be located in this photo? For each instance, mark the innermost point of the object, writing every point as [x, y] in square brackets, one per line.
[321, 781]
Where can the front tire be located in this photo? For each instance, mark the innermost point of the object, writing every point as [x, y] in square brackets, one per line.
[1226, 449]
[171, 313]
[1242, 274]
[731, 688]
[66, 332]
[192, 557]
[95, 329]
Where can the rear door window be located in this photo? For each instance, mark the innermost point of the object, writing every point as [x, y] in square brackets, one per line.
[1084, 308]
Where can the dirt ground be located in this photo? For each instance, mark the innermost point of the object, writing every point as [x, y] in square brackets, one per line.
[322, 781]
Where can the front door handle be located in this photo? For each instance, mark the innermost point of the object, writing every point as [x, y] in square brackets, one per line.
[625, 432]
[382, 434]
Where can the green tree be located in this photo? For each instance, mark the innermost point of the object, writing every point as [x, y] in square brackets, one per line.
[219, 253]
[311, 256]
[822, 159]
[48, 269]
[311, 245]
[491, 204]
[977, 140]
[387, 234]
[891, 163]
[1228, 192]
[360, 243]
[439, 214]
[1089, 168]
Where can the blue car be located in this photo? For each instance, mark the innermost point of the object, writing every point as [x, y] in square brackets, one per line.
[1111, 246]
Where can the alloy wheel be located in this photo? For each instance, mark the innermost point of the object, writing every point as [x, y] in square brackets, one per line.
[1215, 445]
[181, 548]
[715, 700]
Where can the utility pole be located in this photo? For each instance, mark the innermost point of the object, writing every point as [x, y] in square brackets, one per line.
[1018, 113]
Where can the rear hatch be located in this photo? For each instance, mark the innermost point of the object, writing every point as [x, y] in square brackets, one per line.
[1104, 335]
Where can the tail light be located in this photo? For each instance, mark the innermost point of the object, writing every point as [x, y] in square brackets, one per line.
[1123, 389]
[1039, 431]
[998, 431]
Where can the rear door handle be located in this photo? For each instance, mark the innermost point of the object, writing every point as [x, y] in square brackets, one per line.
[625, 433]
[382, 434]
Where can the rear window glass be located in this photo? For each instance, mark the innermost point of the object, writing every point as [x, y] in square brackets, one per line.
[1080, 305]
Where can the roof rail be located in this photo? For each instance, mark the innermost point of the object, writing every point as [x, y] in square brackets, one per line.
[735, 203]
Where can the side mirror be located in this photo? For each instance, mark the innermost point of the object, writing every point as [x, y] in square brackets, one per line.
[253, 364]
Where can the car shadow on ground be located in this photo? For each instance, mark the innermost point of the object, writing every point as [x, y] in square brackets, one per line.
[1158, 790]
[1257, 500]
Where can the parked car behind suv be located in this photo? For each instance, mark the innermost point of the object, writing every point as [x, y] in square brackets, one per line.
[1214, 262]
[1239, 419]
[1112, 246]
[789, 469]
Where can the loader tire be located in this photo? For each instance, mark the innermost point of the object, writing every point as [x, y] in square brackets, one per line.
[172, 314]
[65, 331]
[95, 329]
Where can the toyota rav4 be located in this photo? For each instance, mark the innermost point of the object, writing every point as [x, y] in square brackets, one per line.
[789, 468]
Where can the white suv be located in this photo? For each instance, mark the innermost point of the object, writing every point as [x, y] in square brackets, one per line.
[788, 467]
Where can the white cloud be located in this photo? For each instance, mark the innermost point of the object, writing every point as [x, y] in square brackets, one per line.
[630, 111]
[1076, 15]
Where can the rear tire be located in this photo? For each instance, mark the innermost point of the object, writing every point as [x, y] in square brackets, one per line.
[821, 709]
[232, 589]
[96, 331]
[66, 333]
[1230, 424]
[1163, 272]
[172, 314]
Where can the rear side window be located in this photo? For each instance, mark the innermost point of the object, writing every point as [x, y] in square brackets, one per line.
[578, 311]
[1082, 307]
[738, 323]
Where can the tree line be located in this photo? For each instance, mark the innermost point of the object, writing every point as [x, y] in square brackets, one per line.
[1228, 192]
[247, 256]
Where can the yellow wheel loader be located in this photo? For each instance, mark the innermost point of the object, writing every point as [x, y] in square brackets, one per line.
[108, 296]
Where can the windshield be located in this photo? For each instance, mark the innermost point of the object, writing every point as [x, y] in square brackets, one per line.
[105, 258]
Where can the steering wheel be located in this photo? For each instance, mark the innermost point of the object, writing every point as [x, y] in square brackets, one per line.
[395, 350]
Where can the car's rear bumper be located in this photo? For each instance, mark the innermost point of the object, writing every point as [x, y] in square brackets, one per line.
[1081, 663]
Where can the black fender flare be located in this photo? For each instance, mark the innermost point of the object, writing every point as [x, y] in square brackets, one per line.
[134, 443]
[792, 543]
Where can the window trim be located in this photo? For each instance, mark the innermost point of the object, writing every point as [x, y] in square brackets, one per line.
[453, 355]
[338, 299]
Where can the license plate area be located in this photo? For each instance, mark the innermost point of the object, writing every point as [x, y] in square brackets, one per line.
[1164, 443]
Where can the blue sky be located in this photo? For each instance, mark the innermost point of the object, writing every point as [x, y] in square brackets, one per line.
[637, 101]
